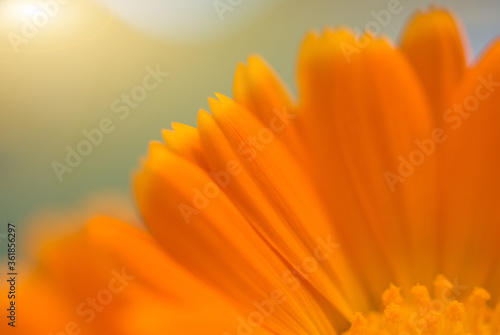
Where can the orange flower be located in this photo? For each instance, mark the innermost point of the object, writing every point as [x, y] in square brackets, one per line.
[384, 171]
[367, 207]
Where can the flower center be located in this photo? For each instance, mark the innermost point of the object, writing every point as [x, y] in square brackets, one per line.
[442, 314]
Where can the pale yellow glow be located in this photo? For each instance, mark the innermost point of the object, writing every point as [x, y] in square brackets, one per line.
[43, 25]
[190, 21]
[14, 11]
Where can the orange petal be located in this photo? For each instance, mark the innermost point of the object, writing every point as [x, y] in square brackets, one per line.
[362, 110]
[432, 43]
[259, 89]
[185, 141]
[272, 187]
[191, 217]
[470, 176]
[126, 269]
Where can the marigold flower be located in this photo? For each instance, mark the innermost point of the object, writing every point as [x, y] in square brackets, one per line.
[388, 155]
[368, 206]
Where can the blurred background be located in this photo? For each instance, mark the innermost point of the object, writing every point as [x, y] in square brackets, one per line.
[129, 68]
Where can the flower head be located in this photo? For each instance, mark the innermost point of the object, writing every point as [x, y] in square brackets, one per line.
[369, 160]
[368, 206]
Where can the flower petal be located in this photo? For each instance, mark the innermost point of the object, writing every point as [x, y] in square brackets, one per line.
[470, 176]
[185, 141]
[363, 109]
[126, 263]
[432, 43]
[191, 217]
[258, 88]
[273, 188]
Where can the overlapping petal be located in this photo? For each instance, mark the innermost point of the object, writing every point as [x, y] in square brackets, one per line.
[433, 43]
[277, 216]
[112, 278]
[470, 175]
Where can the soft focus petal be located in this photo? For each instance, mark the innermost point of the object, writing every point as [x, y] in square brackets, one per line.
[192, 217]
[471, 176]
[434, 45]
[120, 270]
[363, 110]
